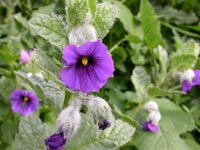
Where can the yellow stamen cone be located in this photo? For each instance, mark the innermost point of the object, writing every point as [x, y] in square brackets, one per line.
[84, 61]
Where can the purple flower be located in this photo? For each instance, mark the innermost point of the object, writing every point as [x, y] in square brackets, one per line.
[187, 85]
[87, 67]
[104, 124]
[55, 142]
[148, 126]
[24, 102]
[25, 56]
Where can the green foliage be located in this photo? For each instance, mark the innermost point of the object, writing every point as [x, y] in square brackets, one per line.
[141, 81]
[174, 122]
[104, 18]
[76, 12]
[149, 42]
[150, 25]
[32, 134]
[110, 139]
[51, 28]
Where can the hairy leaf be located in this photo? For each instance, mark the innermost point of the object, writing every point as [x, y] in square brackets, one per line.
[32, 134]
[141, 81]
[89, 137]
[150, 25]
[50, 28]
[76, 12]
[104, 18]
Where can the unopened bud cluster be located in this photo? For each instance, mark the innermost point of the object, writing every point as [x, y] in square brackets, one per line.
[153, 118]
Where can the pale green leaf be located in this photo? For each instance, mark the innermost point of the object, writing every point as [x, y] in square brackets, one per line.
[40, 58]
[162, 56]
[150, 25]
[89, 137]
[155, 91]
[92, 6]
[32, 134]
[182, 62]
[189, 47]
[50, 28]
[104, 18]
[76, 12]
[173, 123]
[141, 81]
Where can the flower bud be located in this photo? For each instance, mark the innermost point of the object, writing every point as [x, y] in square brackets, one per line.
[154, 113]
[25, 56]
[187, 75]
[151, 105]
[69, 119]
[81, 34]
[100, 111]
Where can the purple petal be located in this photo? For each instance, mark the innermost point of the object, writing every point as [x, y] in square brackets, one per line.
[89, 80]
[70, 78]
[186, 86]
[104, 68]
[87, 48]
[70, 55]
[196, 80]
[148, 126]
[55, 142]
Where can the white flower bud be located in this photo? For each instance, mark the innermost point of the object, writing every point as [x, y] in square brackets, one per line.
[154, 117]
[187, 75]
[81, 34]
[99, 109]
[69, 119]
[154, 113]
[151, 106]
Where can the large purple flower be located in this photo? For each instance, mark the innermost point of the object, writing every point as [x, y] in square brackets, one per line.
[55, 142]
[148, 126]
[24, 102]
[87, 67]
[187, 85]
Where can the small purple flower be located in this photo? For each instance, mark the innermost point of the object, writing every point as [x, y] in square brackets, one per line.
[55, 142]
[87, 67]
[25, 56]
[187, 85]
[24, 102]
[104, 124]
[148, 126]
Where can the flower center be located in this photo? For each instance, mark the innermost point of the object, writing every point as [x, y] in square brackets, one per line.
[26, 99]
[84, 60]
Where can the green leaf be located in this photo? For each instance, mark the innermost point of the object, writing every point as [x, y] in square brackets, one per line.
[104, 18]
[50, 28]
[162, 56]
[155, 91]
[141, 81]
[173, 123]
[189, 47]
[182, 62]
[40, 58]
[150, 25]
[89, 137]
[32, 134]
[92, 6]
[76, 12]
[125, 16]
